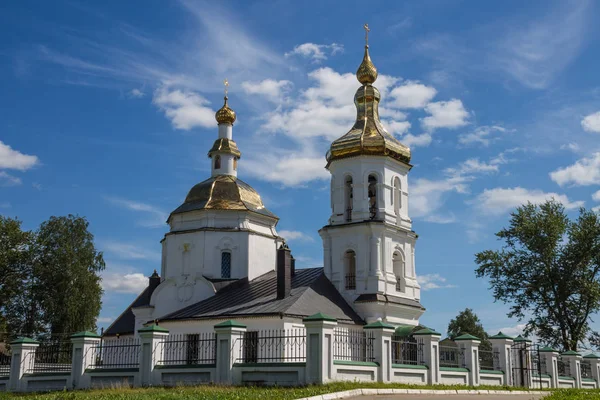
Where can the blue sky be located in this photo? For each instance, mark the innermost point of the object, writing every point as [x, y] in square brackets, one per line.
[107, 111]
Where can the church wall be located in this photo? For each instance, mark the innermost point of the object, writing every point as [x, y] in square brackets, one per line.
[262, 256]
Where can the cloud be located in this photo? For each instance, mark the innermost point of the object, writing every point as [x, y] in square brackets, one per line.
[129, 252]
[316, 52]
[273, 90]
[513, 330]
[296, 235]
[596, 196]
[422, 140]
[473, 166]
[445, 114]
[5, 204]
[105, 320]
[156, 217]
[574, 147]
[124, 283]
[481, 135]
[136, 93]
[499, 201]
[7, 179]
[412, 95]
[185, 109]
[433, 281]
[584, 172]
[441, 219]
[13, 159]
[427, 196]
[591, 123]
[289, 170]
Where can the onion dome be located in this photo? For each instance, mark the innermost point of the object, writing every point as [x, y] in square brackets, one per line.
[224, 192]
[366, 73]
[225, 115]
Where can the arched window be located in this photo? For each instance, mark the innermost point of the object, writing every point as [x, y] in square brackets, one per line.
[372, 192]
[397, 197]
[217, 162]
[235, 164]
[350, 270]
[226, 264]
[398, 264]
[348, 197]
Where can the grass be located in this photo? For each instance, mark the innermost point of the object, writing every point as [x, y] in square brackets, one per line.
[574, 394]
[214, 392]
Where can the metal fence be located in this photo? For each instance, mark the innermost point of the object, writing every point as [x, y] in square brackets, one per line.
[117, 353]
[273, 345]
[564, 367]
[407, 351]
[452, 357]
[489, 360]
[5, 359]
[51, 356]
[586, 369]
[353, 345]
[188, 349]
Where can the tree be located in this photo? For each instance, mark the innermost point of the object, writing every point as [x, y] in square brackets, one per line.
[467, 322]
[547, 271]
[67, 267]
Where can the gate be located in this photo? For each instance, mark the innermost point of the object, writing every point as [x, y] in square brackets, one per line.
[526, 364]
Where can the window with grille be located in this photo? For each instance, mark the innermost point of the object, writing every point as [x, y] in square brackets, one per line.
[225, 264]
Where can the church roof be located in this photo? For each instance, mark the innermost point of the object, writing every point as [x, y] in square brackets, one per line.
[311, 292]
[125, 323]
[223, 192]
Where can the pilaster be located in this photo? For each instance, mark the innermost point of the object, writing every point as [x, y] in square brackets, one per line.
[431, 353]
[23, 354]
[574, 360]
[319, 348]
[230, 336]
[151, 341]
[83, 355]
[383, 348]
[470, 345]
[594, 361]
[502, 344]
[550, 357]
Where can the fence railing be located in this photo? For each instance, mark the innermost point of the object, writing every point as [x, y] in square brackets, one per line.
[563, 367]
[350, 282]
[117, 353]
[407, 351]
[353, 345]
[452, 357]
[51, 356]
[489, 360]
[586, 369]
[273, 345]
[5, 359]
[188, 349]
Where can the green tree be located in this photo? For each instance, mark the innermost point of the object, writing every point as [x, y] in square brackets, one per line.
[547, 271]
[467, 322]
[67, 267]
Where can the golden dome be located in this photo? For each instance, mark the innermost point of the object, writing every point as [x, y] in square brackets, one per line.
[366, 73]
[225, 115]
[223, 192]
[224, 145]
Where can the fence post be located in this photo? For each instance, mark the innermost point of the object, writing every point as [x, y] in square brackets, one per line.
[382, 348]
[574, 359]
[82, 356]
[470, 346]
[150, 341]
[550, 357]
[431, 352]
[23, 349]
[502, 344]
[319, 347]
[594, 361]
[230, 336]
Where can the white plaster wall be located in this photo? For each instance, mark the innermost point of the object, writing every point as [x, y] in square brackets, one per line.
[262, 255]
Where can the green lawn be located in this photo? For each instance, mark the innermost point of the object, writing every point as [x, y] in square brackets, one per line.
[233, 393]
[574, 394]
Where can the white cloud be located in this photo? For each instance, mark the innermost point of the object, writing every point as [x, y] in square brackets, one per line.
[7, 179]
[591, 123]
[156, 217]
[502, 200]
[584, 172]
[316, 52]
[513, 331]
[398, 127]
[13, 159]
[596, 196]
[574, 147]
[412, 95]
[472, 166]
[136, 93]
[445, 114]
[433, 281]
[296, 235]
[427, 195]
[441, 219]
[129, 251]
[292, 169]
[422, 140]
[481, 135]
[185, 109]
[273, 90]
[5, 204]
[105, 320]
[124, 283]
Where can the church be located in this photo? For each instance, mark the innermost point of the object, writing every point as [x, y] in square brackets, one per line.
[222, 258]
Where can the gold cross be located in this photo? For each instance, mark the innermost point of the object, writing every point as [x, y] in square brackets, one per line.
[226, 83]
[366, 26]
[186, 247]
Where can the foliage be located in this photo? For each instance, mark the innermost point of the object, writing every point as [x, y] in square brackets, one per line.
[574, 394]
[468, 322]
[548, 271]
[49, 282]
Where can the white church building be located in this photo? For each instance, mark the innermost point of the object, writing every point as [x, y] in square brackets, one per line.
[223, 259]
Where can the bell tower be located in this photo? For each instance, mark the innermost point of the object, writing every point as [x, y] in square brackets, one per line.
[369, 242]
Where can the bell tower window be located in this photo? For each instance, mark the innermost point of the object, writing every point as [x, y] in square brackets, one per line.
[348, 198]
[350, 270]
[235, 164]
[217, 162]
[226, 264]
[372, 192]
[398, 264]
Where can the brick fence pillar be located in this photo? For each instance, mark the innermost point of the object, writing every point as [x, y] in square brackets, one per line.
[319, 348]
